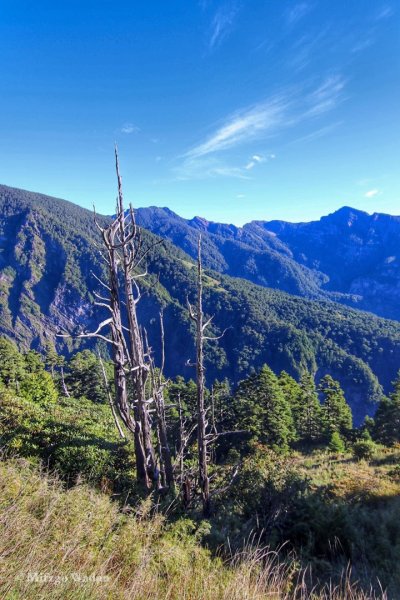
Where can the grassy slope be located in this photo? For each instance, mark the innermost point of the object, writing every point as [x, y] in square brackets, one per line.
[67, 537]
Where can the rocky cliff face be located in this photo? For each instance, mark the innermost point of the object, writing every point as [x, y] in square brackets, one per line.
[48, 260]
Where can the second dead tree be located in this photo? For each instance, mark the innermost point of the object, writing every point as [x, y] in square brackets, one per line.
[204, 437]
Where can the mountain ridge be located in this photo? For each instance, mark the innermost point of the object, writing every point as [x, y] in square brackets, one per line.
[347, 256]
[48, 260]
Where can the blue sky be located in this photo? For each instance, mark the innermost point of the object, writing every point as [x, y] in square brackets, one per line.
[231, 110]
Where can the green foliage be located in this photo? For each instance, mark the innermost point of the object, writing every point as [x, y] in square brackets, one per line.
[74, 436]
[25, 374]
[54, 241]
[331, 512]
[262, 409]
[336, 444]
[38, 387]
[261, 499]
[307, 410]
[77, 438]
[84, 377]
[11, 363]
[364, 448]
[271, 496]
[387, 417]
[335, 413]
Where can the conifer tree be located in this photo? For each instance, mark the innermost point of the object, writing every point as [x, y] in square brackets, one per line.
[307, 410]
[262, 409]
[291, 391]
[36, 383]
[387, 417]
[336, 413]
[336, 443]
[51, 358]
[84, 377]
[365, 447]
[11, 364]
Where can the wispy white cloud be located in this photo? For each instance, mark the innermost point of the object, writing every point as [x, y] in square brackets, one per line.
[318, 133]
[297, 12]
[206, 167]
[222, 24]
[260, 121]
[327, 95]
[266, 118]
[385, 12]
[372, 193]
[256, 159]
[306, 48]
[129, 128]
[244, 125]
[363, 45]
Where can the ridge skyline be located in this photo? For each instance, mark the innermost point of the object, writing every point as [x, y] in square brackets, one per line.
[83, 205]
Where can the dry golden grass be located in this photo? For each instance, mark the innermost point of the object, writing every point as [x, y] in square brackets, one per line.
[76, 544]
[351, 479]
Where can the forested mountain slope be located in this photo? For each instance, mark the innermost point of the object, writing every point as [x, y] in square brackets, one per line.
[47, 260]
[348, 256]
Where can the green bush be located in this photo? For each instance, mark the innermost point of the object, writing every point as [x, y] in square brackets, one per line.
[336, 443]
[364, 449]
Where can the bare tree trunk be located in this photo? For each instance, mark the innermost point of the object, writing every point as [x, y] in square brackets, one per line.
[139, 370]
[198, 317]
[123, 249]
[63, 384]
[158, 386]
[201, 412]
[120, 359]
[110, 399]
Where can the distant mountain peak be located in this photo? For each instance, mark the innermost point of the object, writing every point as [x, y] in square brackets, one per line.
[199, 223]
[348, 213]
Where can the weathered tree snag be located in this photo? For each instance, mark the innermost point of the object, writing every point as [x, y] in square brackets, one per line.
[110, 399]
[130, 243]
[183, 476]
[198, 317]
[63, 384]
[204, 437]
[158, 385]
[123, 253]
[120, 353]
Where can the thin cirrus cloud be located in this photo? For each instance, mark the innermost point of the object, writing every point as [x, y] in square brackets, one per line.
[259, 121]
[242, 126]
[327, 95]
[318, 133]
[207, 167]
[129, 128]
[257, 159]
[363, 45]
[297, 12]
[372, 193]
[266, 118]
[384, 13]
[222, 25]
[307, 48]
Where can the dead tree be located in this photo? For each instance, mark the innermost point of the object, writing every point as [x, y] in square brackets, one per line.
[120, 353]
[110, 398]
[204, 438]
[131, 256]
[122, 250]
[185, 436]
[157, 386]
